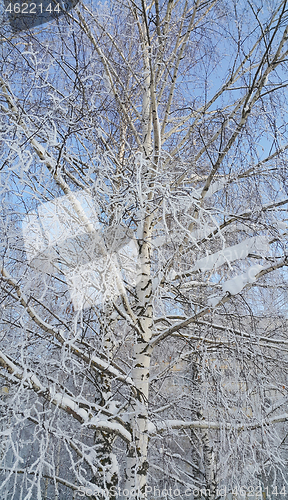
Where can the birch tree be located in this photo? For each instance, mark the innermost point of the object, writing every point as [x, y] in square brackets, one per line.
[143, 251]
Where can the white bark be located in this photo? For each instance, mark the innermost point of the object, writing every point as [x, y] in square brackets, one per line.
[137, 459]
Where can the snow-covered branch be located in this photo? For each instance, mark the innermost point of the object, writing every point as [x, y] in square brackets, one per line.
[94, 361]
[31, 380]
[61, 400]
[217, 301]
[273, 342]
[167, 425]
[59, 480]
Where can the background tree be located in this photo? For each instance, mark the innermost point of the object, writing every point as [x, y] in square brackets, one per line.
[159, 127]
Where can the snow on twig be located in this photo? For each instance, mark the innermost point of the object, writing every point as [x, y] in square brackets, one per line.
[63, 401]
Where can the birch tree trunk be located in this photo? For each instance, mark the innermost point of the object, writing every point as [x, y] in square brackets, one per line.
[137, 463]
[137, 458]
